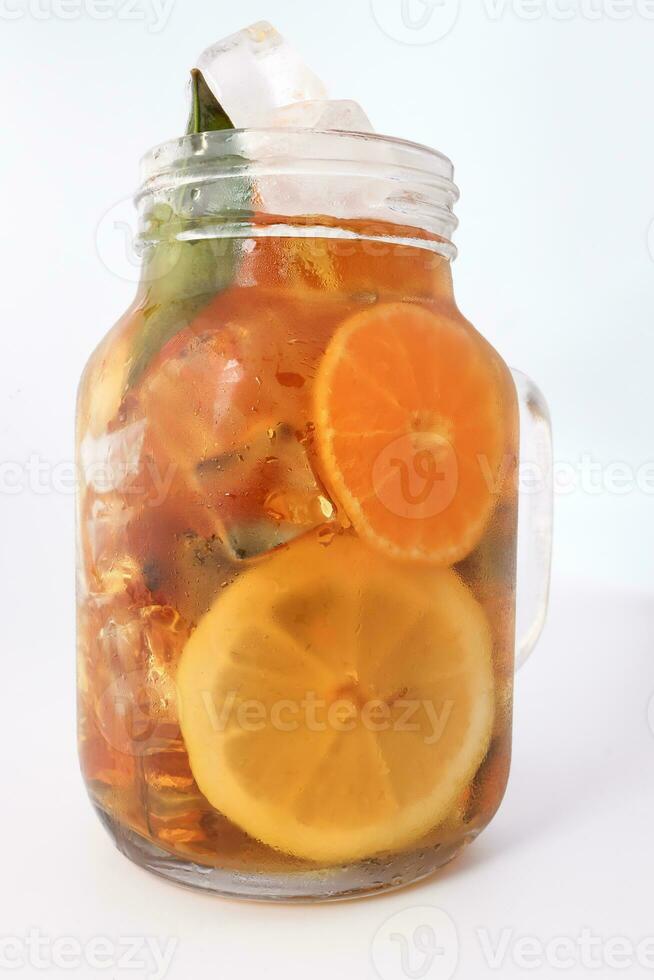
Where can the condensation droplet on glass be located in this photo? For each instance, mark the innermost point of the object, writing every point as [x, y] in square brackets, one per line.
[326, 506]
[368, 297]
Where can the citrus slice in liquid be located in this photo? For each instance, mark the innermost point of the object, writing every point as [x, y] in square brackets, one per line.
[335, 704]
[410, 411]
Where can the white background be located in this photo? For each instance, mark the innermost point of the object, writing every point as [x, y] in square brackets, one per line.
[545, 109]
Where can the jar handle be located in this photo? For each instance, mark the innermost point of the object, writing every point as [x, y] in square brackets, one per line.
[535, 515]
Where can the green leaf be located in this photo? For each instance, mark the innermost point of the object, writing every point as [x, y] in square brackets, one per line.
[182, 276]
[207, 115]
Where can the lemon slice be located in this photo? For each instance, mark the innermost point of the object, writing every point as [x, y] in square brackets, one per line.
[335, 703]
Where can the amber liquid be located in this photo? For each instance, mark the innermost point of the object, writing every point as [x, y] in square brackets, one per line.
[157, 545]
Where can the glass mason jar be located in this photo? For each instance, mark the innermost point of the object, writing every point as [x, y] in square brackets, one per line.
[297, 536]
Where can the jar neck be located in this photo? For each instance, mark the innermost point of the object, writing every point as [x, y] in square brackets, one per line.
[338, 199]
[314, 254]
[297, 183]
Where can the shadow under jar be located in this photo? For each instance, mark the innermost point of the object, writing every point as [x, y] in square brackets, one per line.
[297, 526]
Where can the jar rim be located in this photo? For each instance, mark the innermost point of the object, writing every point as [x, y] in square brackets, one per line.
[306, 172]
[231, 142]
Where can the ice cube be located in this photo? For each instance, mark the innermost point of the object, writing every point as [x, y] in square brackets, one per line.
[136, 655]
[265, 493]
[316, 193]
[341, 114]
[110, 460]
[254, 72]
[227, 403]
[261, 82]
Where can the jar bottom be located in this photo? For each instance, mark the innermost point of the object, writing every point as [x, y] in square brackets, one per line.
[369, 877]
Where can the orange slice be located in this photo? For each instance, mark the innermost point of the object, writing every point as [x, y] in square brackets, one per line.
[335, 705]
[410, 423]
